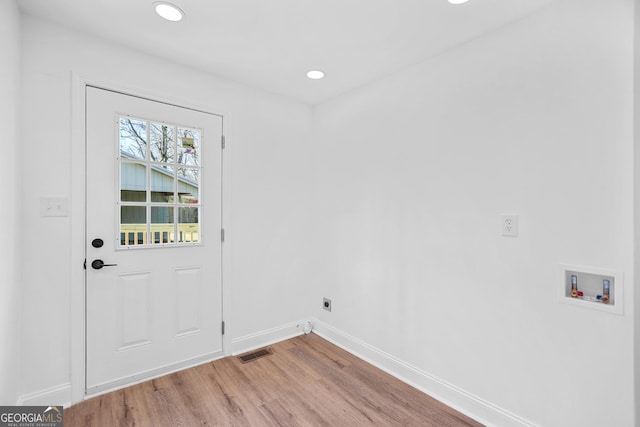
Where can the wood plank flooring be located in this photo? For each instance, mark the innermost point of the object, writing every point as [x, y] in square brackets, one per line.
[307, 381]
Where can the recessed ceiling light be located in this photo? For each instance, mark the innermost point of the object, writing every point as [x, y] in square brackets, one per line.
[458, 1]
[169, 11]
[315, 74]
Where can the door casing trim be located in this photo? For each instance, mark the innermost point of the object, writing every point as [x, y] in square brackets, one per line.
[77, 208]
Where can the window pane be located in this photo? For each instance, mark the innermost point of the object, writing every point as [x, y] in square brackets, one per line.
[188, 215]
[133, 182]
[189, 147]
[133, 215]
[133, 225]
[189, 228]
[162, 184]
[133, 138]
[163, 145]
[188, 185]
[162, 224]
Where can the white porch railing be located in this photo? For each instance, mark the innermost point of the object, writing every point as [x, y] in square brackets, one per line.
[136, 234]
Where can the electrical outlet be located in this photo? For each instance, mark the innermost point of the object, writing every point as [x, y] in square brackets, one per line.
[509, 225]
[326, 304]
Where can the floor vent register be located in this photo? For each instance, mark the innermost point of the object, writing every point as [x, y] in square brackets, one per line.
[255, 355]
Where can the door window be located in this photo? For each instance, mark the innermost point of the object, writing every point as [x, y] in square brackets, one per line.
[160, 183]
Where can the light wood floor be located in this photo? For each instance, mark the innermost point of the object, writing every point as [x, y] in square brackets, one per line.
[307, 381]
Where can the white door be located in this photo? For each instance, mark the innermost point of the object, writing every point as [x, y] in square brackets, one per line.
[153, 287]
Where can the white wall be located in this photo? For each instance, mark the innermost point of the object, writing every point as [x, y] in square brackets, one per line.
[412, 174]
[637, 205]
[266, 160]
[10, 207]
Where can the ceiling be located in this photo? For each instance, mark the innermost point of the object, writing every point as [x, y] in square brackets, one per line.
[271, 44]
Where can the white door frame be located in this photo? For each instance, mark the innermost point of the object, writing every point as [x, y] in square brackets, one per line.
[78, 218]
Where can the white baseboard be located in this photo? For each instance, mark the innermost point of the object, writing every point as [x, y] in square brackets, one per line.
[455, 397]
[62, 395]
[152, 374]
[53, 396]
[460, 400]
[267, 337]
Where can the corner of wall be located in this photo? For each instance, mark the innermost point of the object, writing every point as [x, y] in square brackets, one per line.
[455, 397]
[9, 212]
[636, 212]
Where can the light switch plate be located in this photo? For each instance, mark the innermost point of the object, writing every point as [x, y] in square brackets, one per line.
[54, 206]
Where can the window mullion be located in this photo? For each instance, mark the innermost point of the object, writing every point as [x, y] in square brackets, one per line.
[148, 167]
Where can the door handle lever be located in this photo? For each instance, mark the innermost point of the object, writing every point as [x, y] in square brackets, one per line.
[98, 264]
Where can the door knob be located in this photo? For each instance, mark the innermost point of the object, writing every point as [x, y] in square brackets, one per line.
[98, 264]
